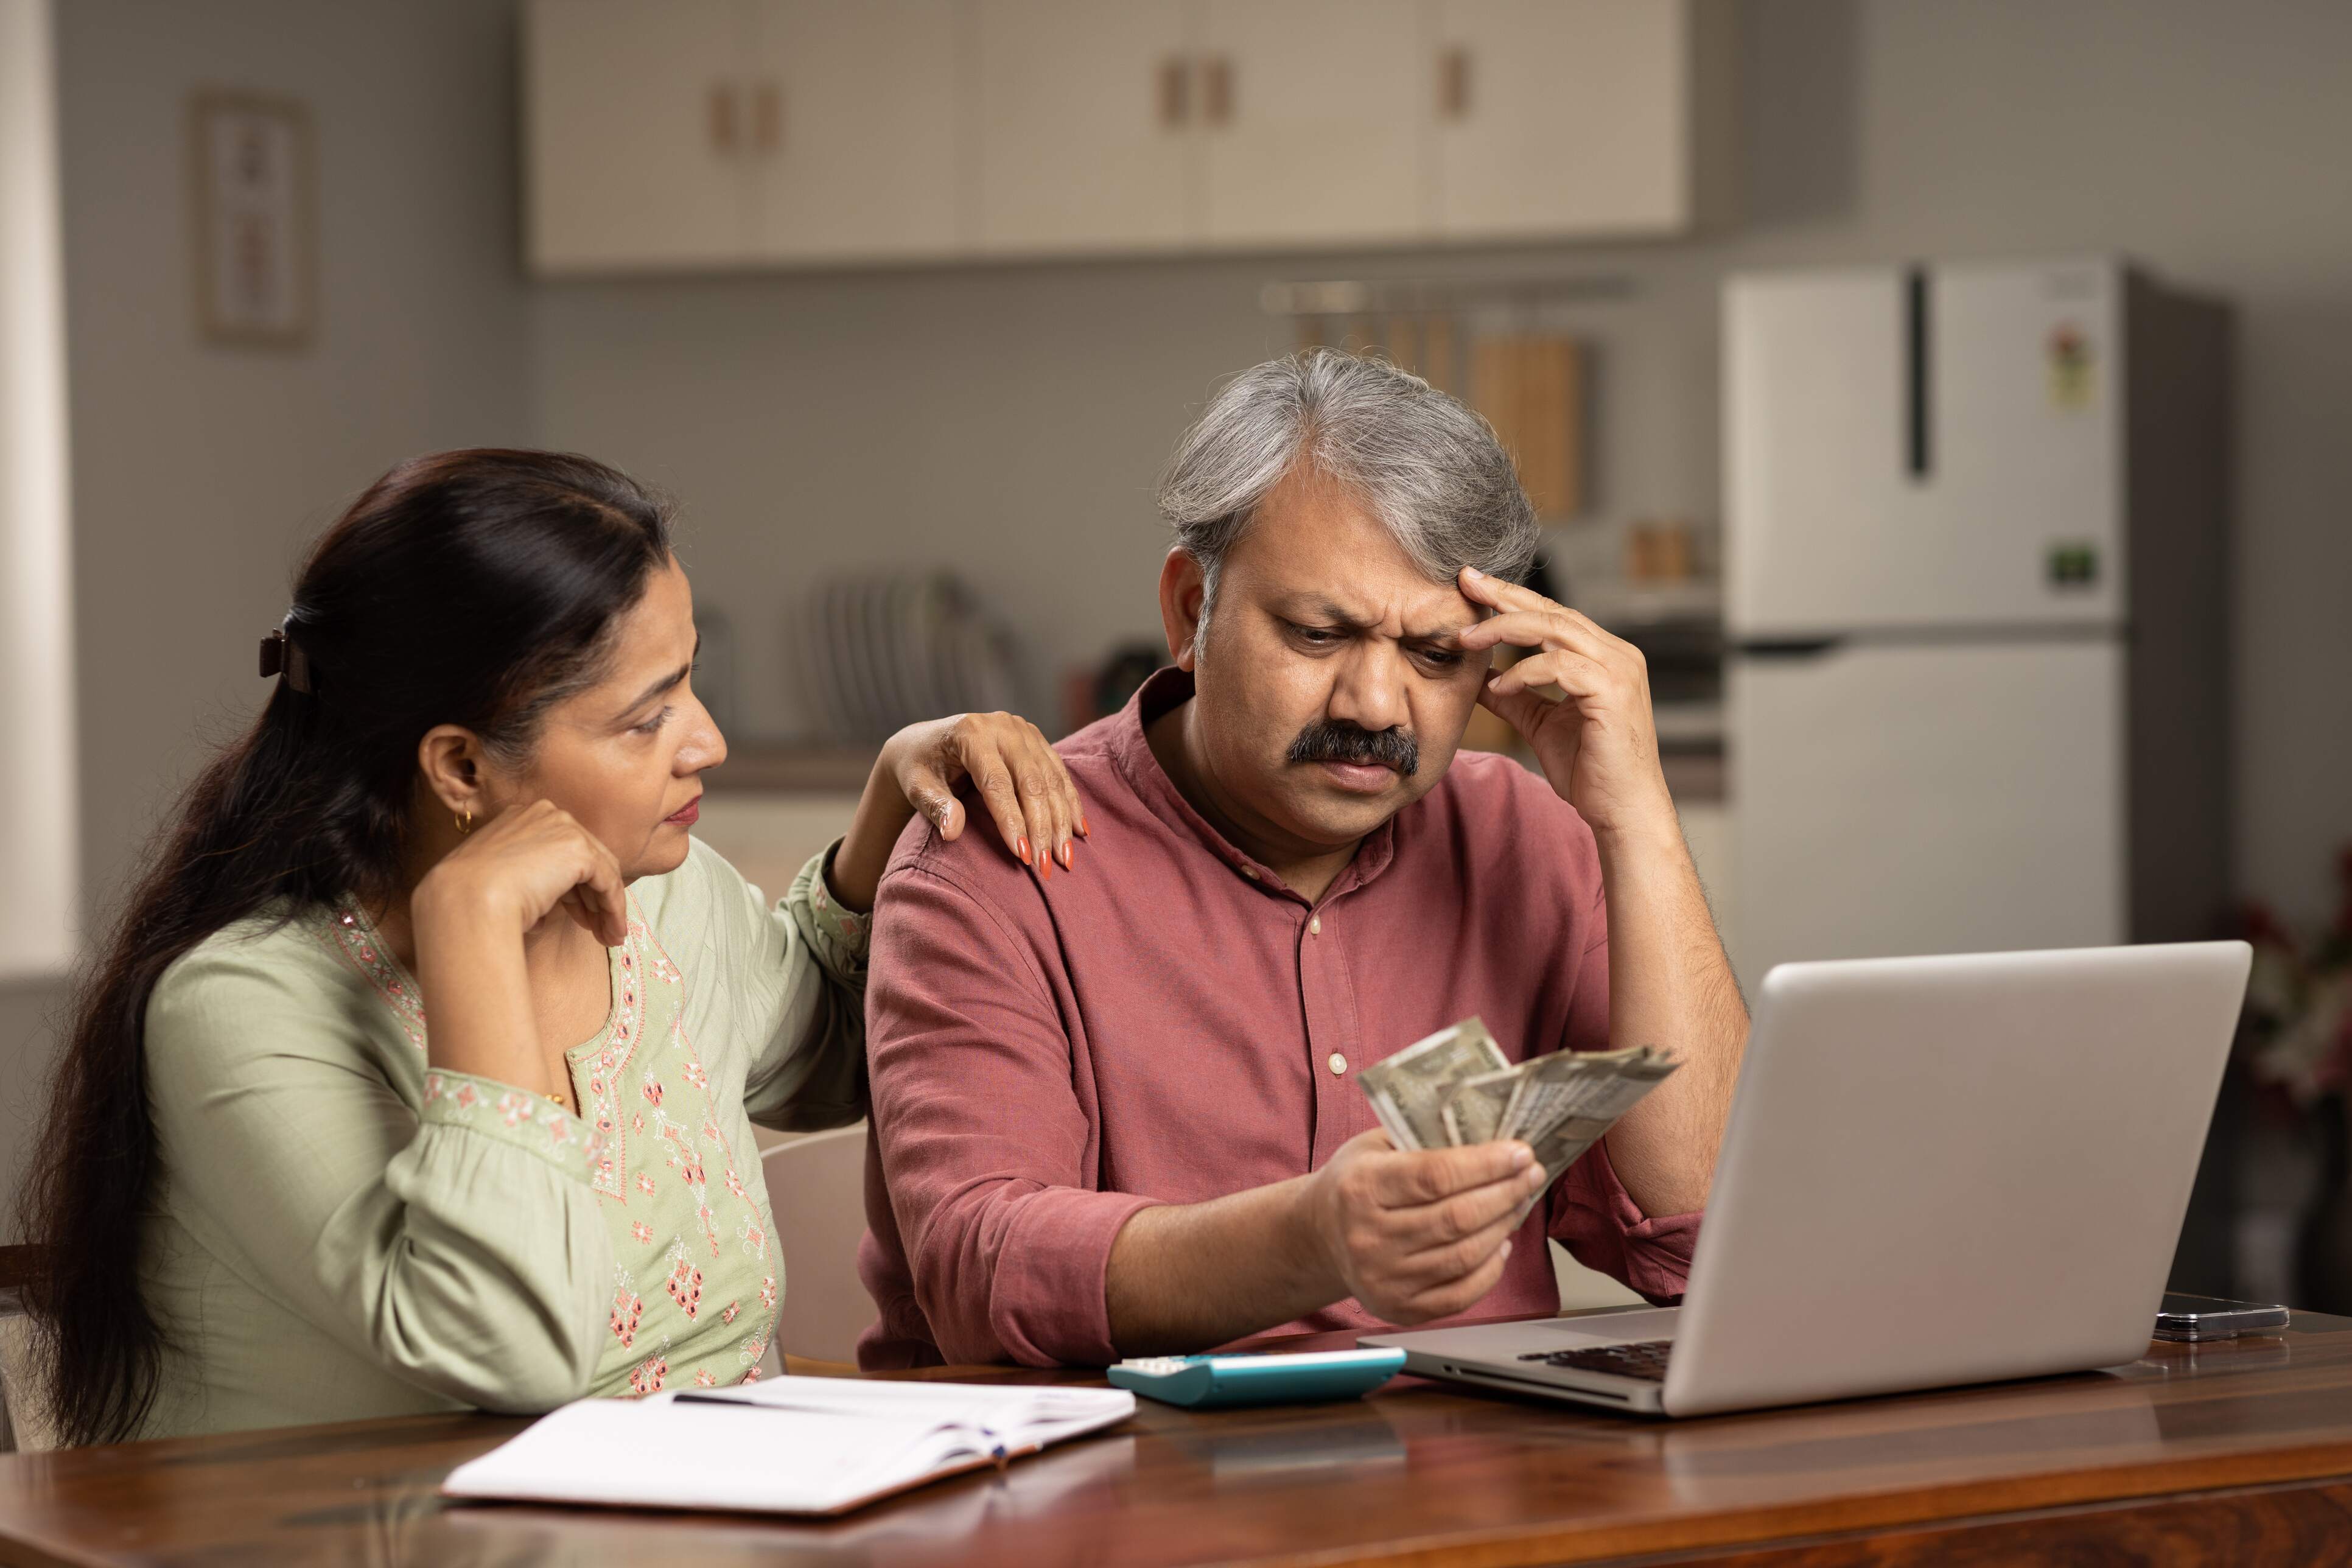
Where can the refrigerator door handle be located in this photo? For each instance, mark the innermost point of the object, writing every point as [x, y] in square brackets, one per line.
[1916, 456]
[1789, 647]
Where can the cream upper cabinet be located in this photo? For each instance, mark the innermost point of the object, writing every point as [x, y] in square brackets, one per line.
[671, 135]
[851, 128]
[1570, 118]
[632, 132]
[1082, 111]
[1311, 117]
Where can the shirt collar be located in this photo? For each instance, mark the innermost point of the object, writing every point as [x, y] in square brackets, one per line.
[1132, 754]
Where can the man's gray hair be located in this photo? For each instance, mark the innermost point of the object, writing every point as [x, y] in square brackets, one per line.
[1425, 465]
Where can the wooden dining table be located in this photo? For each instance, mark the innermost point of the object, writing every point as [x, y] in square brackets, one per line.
[2238, 1452]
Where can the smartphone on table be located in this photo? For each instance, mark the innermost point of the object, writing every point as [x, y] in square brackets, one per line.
[2196, 1319]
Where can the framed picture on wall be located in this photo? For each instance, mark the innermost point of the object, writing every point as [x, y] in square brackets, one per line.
[256, 251]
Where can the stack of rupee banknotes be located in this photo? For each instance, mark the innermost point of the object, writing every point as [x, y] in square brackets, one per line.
[1457, 1088]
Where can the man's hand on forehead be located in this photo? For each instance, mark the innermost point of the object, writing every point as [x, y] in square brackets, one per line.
[1599, 748]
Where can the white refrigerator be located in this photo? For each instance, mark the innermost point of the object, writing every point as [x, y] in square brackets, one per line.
[1975, 604]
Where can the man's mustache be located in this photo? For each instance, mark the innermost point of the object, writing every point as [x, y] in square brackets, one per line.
[1324, 742]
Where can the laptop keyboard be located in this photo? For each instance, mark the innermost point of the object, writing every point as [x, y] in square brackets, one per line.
[1644, 1359]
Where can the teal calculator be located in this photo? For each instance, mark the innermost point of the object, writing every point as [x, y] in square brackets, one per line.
[1217, 1382]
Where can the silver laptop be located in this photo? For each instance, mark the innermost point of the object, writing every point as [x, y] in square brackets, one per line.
[1938, 1171]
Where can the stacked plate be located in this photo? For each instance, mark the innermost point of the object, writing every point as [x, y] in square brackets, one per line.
[883, 651]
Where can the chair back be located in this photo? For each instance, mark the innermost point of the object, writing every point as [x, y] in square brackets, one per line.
[816, 1187]
[24, 1422]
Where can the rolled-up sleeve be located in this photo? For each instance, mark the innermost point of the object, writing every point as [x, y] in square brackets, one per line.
[988, 1153]
[1590, 1213]
[461, 1246]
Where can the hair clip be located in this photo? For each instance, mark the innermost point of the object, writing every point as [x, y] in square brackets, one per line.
[281, 655]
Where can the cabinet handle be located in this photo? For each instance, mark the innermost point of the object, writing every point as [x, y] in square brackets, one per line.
[722, 118]
[1453, 84]
[767, 117]
[1175, 93]
[1217, 91]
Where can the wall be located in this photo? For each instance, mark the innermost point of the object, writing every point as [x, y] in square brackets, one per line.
[1009, 421]
[198, 472]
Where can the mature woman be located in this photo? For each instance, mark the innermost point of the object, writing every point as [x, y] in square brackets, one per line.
[421, 1071]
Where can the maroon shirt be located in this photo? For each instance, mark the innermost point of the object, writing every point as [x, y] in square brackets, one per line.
[1170, 1024]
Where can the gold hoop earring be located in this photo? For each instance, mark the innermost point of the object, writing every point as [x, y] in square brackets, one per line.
[464, 822]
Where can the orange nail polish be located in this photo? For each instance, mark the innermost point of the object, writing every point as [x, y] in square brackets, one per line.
[1045, 869]
[1066, 855]
[1021, 847]
[1084, 831]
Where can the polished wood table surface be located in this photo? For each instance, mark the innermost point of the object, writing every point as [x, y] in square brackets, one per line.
[2237, 1453]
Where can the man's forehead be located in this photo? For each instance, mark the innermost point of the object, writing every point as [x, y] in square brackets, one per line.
[1317, 551]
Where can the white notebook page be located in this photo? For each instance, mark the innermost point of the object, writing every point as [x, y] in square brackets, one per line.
[791, 1445]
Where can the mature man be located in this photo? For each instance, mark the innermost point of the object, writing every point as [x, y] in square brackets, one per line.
[1113, 1107]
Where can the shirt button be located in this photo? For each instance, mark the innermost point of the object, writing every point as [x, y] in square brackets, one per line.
[1314, 925]
[1339, 1063]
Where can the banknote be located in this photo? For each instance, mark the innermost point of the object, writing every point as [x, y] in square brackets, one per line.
[1473, 1111]
[1456, 1088]
[1605, 1084]
[1408, 1090]
[1566, 1100]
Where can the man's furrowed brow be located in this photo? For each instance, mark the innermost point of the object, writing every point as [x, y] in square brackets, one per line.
[1323, 610]
[1446, 635]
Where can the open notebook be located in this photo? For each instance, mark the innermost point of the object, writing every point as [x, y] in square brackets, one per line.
[792, 1445]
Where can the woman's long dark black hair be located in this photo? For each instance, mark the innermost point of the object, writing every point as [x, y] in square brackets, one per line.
[474, 588]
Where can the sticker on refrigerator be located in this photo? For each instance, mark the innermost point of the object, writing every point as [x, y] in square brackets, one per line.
[2073, 378]
[2073, 566]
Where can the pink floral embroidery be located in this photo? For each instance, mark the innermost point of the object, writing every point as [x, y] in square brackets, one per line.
[752, 1374]
[653, 1092]
[768, 1292]
[347, 931]
[703, 1379]
[610, 1063]
[513, 1108]
[649, 1377]
[735, 1185]
[729, 1315]
[694, 1075]
[643, 1232]
[628, 1310]
[646, 1183]
[466, 1096]
[686, 1288]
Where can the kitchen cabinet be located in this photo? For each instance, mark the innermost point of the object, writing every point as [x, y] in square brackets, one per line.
[732, 133]
[630, 130]
[1083, 115]
[703, 133]
[852, 133]
[1578, 117]
[1308, 121]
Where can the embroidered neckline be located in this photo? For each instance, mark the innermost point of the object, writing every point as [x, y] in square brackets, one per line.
[350, 932]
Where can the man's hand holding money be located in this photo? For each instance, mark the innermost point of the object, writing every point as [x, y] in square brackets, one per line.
[1420, 1234]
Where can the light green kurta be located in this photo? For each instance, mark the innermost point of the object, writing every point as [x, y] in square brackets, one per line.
[340, 1231]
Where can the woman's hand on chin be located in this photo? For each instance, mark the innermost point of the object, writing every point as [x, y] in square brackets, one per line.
[522, 867]
[1016, 774]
